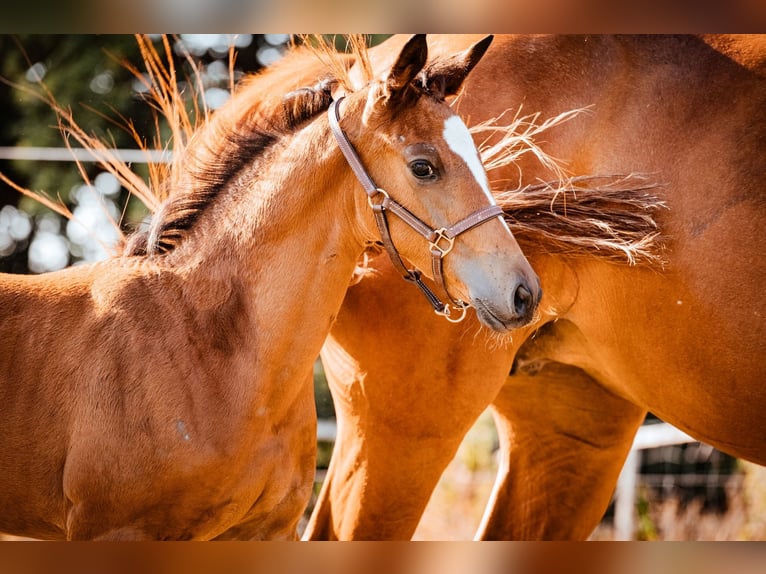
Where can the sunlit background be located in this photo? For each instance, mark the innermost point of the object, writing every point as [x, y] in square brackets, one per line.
[48, 241]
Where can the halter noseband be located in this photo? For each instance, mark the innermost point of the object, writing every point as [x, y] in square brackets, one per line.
[440, 240]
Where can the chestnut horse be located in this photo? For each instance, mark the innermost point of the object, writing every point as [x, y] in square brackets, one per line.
[684, 340]
[166, 393]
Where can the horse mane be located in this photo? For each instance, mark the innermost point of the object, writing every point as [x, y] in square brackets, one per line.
[607, 217]
[232, 138]
[610, 218]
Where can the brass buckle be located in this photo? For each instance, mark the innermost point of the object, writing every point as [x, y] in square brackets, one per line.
[436, 248]
[447, 311]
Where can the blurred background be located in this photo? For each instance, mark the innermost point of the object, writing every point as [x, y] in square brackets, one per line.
[683, 490]
[86, 73]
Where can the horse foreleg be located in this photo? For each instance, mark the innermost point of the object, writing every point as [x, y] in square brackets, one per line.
[397, 432]
[379, 482]
[563, 439]
[407, 386]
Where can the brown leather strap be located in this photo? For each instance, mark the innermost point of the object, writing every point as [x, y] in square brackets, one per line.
[411, 275]
[385, 234]
[438, 236]
[408, 217]
[379, 209]
[348, 149]
[476, 218]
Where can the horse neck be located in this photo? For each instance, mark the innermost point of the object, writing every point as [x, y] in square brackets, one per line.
[282, 236]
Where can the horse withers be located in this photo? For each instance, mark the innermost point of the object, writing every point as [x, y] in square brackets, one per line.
[166, 393]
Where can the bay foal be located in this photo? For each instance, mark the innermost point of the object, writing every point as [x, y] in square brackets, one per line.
[166, 394]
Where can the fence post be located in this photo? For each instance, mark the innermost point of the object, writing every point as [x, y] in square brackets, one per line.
[625, 498]
[648, 436]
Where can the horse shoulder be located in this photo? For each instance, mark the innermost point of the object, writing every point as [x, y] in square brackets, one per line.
[40, 313]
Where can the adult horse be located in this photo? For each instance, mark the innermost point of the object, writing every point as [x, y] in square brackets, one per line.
[166, 393]
[685, 340]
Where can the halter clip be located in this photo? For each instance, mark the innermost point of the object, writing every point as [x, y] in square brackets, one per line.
[441, 235]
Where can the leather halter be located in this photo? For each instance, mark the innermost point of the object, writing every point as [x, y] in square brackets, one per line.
[440, 240]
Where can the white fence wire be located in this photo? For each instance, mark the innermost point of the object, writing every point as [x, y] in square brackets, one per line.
[82, 154]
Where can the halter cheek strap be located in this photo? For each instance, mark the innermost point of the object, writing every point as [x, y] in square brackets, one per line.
[440, 240]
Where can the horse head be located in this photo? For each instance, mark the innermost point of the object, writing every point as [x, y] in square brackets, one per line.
[416, 159]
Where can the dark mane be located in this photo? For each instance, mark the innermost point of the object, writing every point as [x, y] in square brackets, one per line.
[235, 136]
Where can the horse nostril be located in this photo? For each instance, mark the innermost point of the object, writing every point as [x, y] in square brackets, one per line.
[522, 300]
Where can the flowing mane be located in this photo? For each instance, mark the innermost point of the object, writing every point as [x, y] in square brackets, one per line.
[235, 136]
[610, 217]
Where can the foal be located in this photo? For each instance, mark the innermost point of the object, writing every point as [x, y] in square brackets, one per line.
[167, 394]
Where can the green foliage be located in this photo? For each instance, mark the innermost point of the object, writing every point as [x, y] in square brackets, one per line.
[322, 397]
[86, 74]
[646, 529]
[82, 71]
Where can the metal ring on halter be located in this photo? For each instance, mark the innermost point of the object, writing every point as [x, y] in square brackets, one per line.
[441, 235]
[447, 313]
[379, 191]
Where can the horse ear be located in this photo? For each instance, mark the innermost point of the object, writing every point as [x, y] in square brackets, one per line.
[399, 86]
[411, 60]
[444, 77]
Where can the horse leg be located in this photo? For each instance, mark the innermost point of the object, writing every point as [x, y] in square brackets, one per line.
[379, 480]
[563, 441]
[391, 447]
[407, 386]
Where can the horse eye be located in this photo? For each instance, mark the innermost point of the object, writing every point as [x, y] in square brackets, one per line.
[423, 169]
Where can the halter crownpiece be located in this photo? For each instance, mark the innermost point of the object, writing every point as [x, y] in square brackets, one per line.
[440, 240]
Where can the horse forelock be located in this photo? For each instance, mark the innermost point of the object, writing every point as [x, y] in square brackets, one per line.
[235, 136]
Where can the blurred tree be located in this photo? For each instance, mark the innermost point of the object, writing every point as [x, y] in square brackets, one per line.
[85, 73]
[78, 71]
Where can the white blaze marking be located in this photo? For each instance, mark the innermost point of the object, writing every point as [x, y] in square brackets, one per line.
[459, 140]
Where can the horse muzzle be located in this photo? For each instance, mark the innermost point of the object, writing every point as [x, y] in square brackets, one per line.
[517, 310]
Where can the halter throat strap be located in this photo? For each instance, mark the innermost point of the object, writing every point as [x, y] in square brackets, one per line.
[440, 240]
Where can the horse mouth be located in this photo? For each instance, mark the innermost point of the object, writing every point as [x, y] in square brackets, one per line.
[500, 322]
